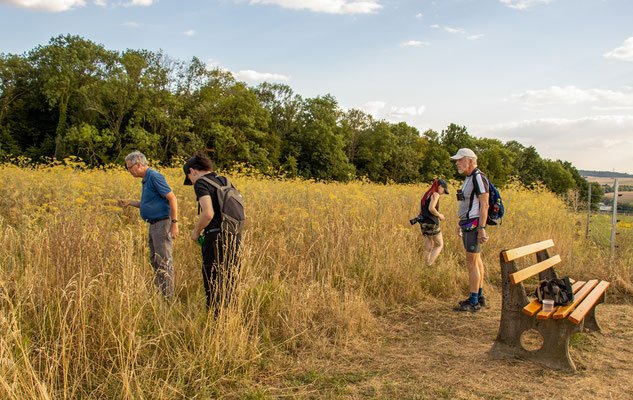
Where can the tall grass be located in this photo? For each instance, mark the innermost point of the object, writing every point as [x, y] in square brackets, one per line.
[79, 317]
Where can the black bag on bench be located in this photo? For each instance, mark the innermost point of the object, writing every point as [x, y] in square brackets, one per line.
[559, 290]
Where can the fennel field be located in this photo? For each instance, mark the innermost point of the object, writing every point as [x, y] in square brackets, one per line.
[324, 266]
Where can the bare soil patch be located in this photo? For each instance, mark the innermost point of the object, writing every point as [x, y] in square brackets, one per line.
[430, 352]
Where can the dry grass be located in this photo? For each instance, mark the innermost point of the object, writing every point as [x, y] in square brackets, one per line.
[323, 264]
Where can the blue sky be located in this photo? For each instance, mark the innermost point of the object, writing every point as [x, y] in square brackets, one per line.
[555, 74]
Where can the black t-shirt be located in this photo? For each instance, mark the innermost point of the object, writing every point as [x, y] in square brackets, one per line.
[204, 188]
[428, 217]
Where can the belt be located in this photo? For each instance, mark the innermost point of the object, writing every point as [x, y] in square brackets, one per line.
[153, 221]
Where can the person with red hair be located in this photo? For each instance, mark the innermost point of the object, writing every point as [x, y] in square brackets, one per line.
[430, 222]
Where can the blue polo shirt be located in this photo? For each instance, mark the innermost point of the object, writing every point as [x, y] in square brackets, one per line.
[154, 205]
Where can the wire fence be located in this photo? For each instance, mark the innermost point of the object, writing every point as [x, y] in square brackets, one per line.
[610, 229]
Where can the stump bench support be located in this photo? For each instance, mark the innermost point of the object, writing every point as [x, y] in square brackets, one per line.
[555, 328]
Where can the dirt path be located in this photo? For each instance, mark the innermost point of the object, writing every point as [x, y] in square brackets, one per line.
[431, 352]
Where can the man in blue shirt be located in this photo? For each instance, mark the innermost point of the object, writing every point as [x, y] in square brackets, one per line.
[159, 208]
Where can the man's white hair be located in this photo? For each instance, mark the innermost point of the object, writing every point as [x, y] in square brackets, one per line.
[136, 157]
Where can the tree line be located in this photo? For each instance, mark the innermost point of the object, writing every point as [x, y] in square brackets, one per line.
[75, 97]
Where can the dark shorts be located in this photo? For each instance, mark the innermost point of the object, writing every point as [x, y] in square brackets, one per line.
[430, 229]
[471, 244]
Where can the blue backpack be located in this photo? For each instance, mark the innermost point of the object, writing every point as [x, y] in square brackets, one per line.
[495, 204]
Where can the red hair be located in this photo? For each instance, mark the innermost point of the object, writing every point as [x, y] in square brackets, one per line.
[433, 189]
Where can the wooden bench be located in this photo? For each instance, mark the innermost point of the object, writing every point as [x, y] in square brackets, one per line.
[518, 314]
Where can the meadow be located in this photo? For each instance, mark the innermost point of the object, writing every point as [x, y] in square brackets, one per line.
[623, 198]
[321, 263]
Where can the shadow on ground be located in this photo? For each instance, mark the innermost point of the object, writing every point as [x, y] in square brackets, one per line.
[430, 352]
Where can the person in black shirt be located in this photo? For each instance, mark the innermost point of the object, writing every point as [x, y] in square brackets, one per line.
[220, 248]
[430, 224]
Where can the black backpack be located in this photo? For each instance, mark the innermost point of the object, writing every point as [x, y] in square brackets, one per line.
[559, 290]
[231, 205]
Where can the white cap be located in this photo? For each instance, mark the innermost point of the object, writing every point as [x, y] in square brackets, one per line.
[461, 153]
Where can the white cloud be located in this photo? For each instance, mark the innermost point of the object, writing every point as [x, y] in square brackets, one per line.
[327, 6]
[374, 107]
[45, 5]
[65, 5]
[131, 24]
[211, 64]
[419, 15]
[454, 30]
[254, 76]
[596, 143]
[572, 95]
[414, 43]
[524, 4]
[380, 110]
[410, 111]
[140, 3]
[434, 26]
[190, 32]
[624, 52]
[459, 31]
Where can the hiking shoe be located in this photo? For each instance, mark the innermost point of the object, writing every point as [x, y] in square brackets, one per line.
[482, 301]
[467, 306]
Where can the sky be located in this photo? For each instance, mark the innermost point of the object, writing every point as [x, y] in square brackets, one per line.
[553, 74]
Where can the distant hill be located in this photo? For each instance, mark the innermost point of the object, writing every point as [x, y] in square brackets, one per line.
[604, 174]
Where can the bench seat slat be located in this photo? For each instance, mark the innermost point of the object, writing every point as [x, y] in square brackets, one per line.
[535, 305]
[532, 308]
[519, 252]
[528, 272]
[564, 311]
[543, 315]
[589, 301]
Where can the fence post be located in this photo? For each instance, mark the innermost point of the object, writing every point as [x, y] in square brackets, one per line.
[614, 220]
[588, 211]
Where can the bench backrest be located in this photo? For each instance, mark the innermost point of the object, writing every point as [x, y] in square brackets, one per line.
[545, 261]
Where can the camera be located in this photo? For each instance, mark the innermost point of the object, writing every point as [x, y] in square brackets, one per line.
[415, 220]
[460, 195]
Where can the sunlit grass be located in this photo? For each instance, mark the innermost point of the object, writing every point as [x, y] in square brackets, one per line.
[78, 313]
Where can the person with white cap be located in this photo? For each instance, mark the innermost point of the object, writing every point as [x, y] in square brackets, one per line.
[473, 213]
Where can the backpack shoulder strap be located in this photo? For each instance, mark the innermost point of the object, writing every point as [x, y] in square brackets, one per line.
[472, 193]
[211, 182]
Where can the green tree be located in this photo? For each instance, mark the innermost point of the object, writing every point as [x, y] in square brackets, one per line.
[455, 137]
[529, 166]
[407, 154]
[495, 160]
[355, 124]
[374, 148]
[436, 162]
[318, 144]
[597, 192]
[64, 66]
[556, 177]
